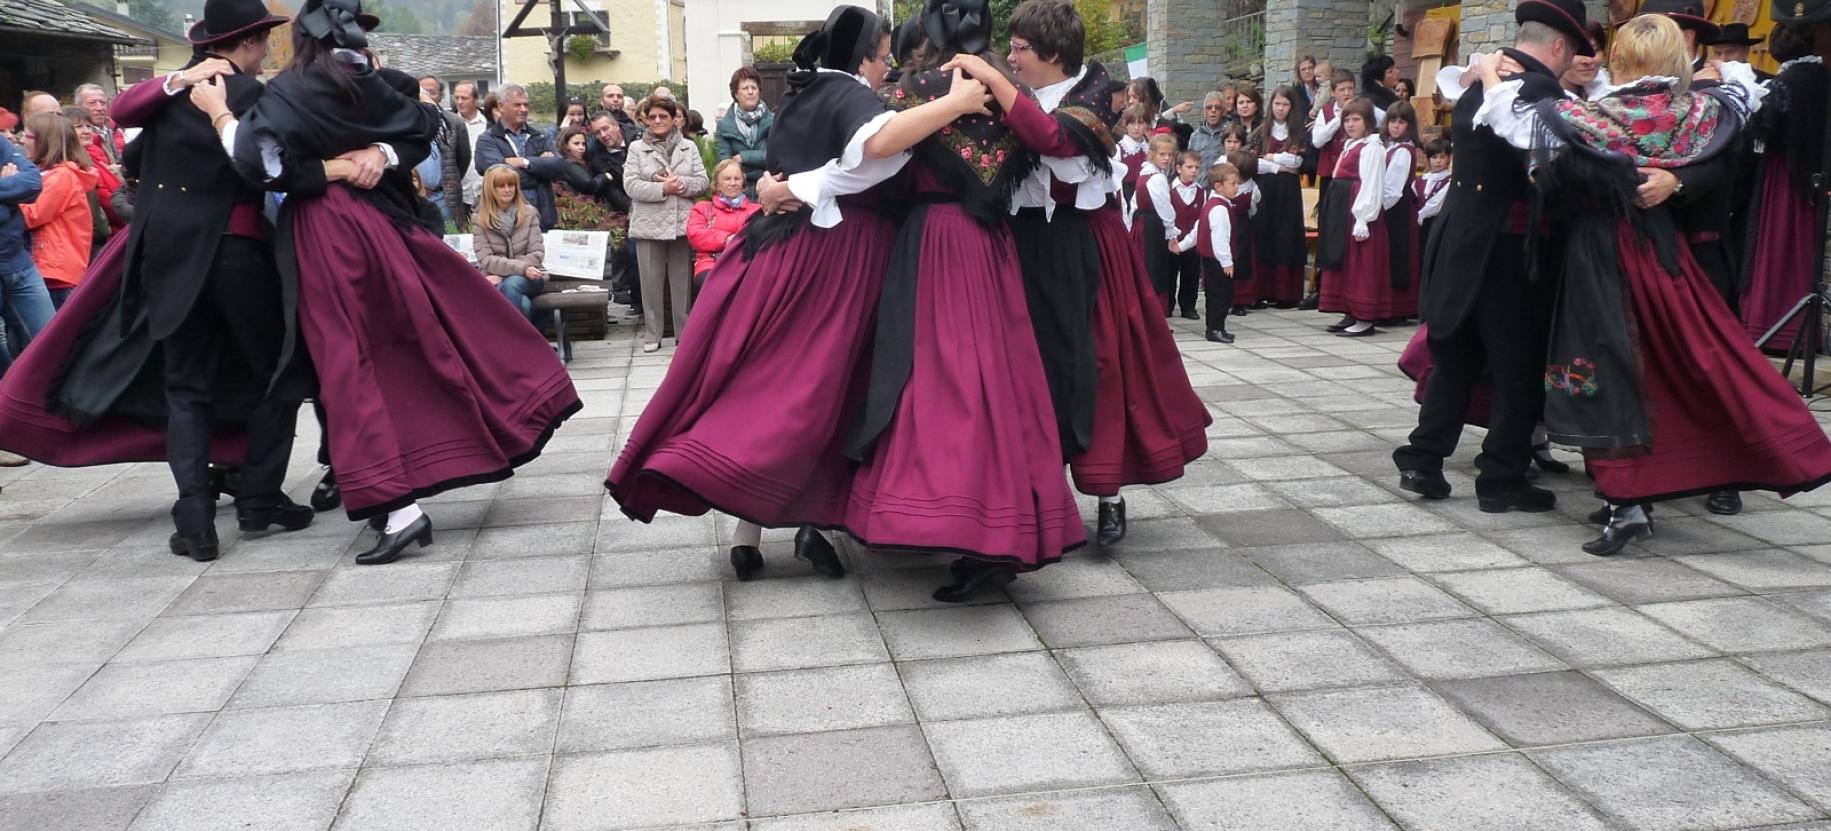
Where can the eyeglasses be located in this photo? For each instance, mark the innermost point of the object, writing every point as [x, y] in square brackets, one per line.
[1019, 47]
[658, 117]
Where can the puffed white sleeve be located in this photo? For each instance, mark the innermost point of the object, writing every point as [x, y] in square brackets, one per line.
[1188, 240]
[270, 149]
[1501, 112]
[1325, 129]
[1741, 77]
[1367, 200]
[1267, 166]
[849, 174]
[1159, 190]
[1398, 170]
[1220, 233]
[1253, 210]
[1433, 205]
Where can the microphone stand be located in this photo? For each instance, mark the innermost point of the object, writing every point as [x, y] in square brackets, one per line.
[1810, 311]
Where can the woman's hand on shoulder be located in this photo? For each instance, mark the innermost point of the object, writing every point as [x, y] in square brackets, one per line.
[212, 97]
[968, 95]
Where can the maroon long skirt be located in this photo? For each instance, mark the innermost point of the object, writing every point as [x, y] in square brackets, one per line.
[429, 379]
[1247, 291]
[1782, 270]
[1722, 417]
[27, 425]
[754, 412]
[1279, 253]
[1362, 287]
[1148, 421]
[970, 462]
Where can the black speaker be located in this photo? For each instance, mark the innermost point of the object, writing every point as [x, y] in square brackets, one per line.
[1802, 11]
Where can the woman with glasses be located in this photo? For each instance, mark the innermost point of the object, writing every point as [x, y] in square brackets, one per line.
[663, 174]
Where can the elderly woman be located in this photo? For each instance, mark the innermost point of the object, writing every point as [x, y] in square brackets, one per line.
[743, 133]
[1649, 372]
[663, 174]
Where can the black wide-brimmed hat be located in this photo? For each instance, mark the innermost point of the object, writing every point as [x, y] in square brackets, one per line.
[1734, 34]
[1688, 14]
[228, 20]
[1567, 16]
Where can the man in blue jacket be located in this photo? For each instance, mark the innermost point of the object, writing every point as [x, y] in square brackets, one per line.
[24, 301]
[512, 142]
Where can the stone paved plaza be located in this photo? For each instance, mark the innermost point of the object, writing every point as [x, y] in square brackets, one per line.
[1284, 642]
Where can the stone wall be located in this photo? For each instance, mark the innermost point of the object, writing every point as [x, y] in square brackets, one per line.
[1331, 29]
[1487, 24]
[1185, 55]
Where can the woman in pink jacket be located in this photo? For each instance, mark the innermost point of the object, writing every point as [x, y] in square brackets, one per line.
[715, 221]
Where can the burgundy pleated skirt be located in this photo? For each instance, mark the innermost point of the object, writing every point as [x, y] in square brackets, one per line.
[970, 462]
[1416, 363]
[1782, 270]
[753, 415]
[1148, 421]
[27, 425]
[429, 379]
[1362, 287]
[1722, 416]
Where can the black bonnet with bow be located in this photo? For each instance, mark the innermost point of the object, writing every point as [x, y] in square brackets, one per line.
[340, 23]
[848, 37]
[958, 26]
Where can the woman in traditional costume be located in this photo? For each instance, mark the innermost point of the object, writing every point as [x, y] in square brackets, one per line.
[429, 380]
[1143, 422]
[1791, 129]
[1649, 371]
[1354, 247]
[754, 413]
[1280, 252]
[959, 447]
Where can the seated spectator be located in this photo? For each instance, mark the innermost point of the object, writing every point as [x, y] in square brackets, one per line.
[715, 221]
[743, 132]
[506, 238]
[60, 220]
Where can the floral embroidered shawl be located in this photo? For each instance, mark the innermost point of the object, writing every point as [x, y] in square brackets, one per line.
[1646, 123]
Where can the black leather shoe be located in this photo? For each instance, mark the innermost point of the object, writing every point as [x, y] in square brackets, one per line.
[746, 560]
[1617, 535]
[389, 547]
[1220, 337]
[1191, 314]
[1529, 499]
[978, 577]
[289, 515]
[1429, 484]
[1238, 311]
[200, 547]
[1341, 325]
[1364, 333]
[1541, 456]
[1310, 303]
[1111, 528]
[1725, 503]
[1395, 321]
[1260, 304]
[327, 496]
[814, 548]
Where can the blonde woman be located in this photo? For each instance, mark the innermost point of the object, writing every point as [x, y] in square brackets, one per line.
[505, 235]
[663, 175]
[1649, 371]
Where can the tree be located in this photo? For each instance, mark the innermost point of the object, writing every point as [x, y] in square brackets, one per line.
[397, 20]
[481, 21]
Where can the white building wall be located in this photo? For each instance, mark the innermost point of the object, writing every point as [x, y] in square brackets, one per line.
[716, 41]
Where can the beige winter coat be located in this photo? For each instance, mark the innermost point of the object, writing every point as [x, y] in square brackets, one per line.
[653, 215]
[511, 255]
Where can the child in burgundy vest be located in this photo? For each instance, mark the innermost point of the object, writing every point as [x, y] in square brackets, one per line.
[1186, 199]
[1218, 241]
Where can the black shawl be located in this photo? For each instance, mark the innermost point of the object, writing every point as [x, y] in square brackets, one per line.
[819, 116]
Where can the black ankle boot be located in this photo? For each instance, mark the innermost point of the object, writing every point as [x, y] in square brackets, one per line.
[1617, 534]
[746, 560]
[200, 547]
[327, 496]
[1524, 498]
[389, 547]
[289, 515]
[1342, 325]
[980, 575]
[1111, 527]
[1724, 503]
[814, 548]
